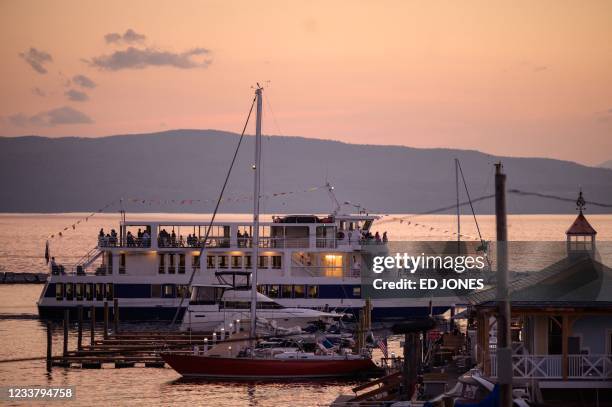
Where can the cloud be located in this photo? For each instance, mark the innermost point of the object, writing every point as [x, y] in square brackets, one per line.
[53, 117]
[38, 92]
[76, 95]
[83, 81]
[129, 37]
[36, 59]
[134, 58]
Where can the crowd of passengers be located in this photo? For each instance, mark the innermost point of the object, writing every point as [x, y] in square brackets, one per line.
[363, 237]
[142, 239]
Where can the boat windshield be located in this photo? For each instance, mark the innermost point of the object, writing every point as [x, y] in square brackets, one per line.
[247, 305]
[202, 295]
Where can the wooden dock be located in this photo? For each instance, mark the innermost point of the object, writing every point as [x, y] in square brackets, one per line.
[123, 349]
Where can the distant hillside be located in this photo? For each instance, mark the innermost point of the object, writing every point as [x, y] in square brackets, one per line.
[607, 164]
[80, 174]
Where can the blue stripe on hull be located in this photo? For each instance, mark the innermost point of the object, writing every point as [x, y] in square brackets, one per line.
[379, 314]
[125, 313]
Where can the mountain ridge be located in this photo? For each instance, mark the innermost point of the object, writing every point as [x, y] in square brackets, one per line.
[60, 174]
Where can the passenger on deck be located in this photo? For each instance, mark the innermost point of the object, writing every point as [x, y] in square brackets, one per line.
[113, 238]
[101, 238]
[245, 237]
[146, 239]
[385, 239]
[173, 238]
[53, 266]
[130, 239]
[181, 241]
[239, 238]
[377, 237]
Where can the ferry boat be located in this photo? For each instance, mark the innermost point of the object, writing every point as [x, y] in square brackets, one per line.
[304, 261]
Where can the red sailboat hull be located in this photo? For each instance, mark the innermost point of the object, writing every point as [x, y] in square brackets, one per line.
[262, 369]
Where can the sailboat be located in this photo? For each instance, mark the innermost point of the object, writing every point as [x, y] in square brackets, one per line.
[231, 361]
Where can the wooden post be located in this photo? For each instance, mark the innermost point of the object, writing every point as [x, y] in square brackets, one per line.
[92, 327]
[66, 322]
[116, 316]
[105, 319]
[564, 345]
[80, 328]
[49, 347]
[504, 345]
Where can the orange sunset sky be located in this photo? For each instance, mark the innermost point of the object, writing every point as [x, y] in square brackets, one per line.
[520, 78]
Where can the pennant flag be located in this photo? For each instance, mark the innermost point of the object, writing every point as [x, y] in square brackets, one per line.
[47, 256]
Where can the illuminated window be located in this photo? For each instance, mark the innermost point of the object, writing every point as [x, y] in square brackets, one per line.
[273, 291]
[332, 265]
[313, 291]
[59, 291]
[79, 291]
[298, 291]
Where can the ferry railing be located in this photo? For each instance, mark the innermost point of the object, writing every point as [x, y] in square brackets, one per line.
[590, 366]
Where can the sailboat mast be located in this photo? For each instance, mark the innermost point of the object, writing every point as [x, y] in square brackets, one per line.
[255, 234]
[458, 212]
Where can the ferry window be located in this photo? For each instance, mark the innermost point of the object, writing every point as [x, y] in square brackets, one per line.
[273, 291]
[79, 291]
[181, 265]
[109, 291]
[168, 290]
[182, 291]
[99, 291]
[195, 262]
[357, 291]
[210, 262]
[89, 291]
[205, 295]
[276, 262]
[69, 291]
[298, 291]
[313, 291]
[236, 262]
[171, 267]
[261, 288]
[286, 291]
[59, 291]
[248, 262]
[161, 261]
[156, 290]
[122, 263]
[109, 264]
[222, 262]
[263, 262]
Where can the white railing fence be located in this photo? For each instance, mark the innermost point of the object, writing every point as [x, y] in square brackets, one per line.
[551, 366]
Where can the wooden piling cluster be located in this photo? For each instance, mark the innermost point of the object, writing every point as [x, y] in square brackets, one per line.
[122, 349]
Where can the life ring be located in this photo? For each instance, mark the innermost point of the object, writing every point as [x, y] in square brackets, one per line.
[340, 235]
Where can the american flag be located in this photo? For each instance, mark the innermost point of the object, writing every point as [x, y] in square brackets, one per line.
[382, 345]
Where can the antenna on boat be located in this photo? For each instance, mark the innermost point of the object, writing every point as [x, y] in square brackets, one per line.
[257, 181]
[458, 206]
[332, 195]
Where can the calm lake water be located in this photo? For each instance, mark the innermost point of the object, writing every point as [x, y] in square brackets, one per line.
[22, 241]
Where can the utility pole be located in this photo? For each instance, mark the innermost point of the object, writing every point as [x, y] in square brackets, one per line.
[504, 348]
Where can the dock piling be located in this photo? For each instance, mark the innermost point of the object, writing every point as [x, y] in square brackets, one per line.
[105, 319]
[116, 315]
[49, 347]
[80, 328]
[66, 322]
[92, 327]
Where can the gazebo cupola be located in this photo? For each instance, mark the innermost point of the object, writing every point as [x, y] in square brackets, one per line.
[580, 235]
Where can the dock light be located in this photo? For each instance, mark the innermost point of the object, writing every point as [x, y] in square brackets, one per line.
[222, 334]
[230, 330]
[237, 325]
[205, 344]
[214, 338]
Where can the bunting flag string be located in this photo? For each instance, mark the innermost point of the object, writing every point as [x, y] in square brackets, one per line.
[404, 221]
[240, 198]
[73, 226]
